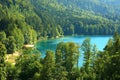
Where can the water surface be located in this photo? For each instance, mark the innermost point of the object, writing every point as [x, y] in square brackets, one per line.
[51, 44]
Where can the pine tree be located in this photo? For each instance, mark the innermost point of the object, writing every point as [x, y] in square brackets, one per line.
[67, 55]
[10, 45]
[87, 51]
[48, 66]
[2, 62]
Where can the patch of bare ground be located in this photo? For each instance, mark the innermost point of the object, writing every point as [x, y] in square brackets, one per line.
[12, 57]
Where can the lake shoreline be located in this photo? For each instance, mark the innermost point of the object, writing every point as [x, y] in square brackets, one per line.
[51, 44]
[45, 39]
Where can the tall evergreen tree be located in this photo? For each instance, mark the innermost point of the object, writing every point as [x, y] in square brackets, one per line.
[67, 54]
[48, 66]
[87, 51]
[28, 66]
[2, 37]
[10, 45]
[2, 62]
[115, 59]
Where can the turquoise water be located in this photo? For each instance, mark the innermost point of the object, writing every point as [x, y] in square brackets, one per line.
[51, 44]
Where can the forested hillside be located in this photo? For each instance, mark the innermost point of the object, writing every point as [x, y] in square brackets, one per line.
[26, 21]
[90, 17]
[51, 18]
[63, 63]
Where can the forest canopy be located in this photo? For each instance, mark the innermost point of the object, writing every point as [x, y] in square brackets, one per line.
[51, 18]
[26, 21]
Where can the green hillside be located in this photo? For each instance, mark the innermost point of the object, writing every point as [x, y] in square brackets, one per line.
[79, 17]
[23, 22]
[51, 18]
[26, 21]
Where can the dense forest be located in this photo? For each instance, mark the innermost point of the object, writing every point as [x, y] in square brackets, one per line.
[63, 64]
[52, 18]
[26, 21]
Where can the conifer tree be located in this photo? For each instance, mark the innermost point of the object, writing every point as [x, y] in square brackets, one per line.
[2, 62]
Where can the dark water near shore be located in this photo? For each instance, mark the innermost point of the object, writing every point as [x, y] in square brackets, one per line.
[51, 44]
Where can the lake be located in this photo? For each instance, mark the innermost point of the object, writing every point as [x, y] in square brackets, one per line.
[51, 44]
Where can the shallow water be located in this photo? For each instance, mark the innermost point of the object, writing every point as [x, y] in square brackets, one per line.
[51, 44]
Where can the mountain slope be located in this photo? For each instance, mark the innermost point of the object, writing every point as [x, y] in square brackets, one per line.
[86, 16]
[51, 18]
